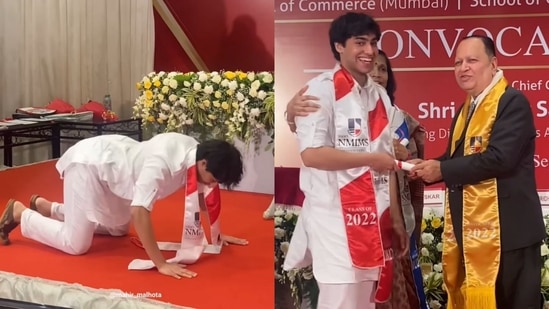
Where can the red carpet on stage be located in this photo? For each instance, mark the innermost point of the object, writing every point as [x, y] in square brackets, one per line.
[240, 277]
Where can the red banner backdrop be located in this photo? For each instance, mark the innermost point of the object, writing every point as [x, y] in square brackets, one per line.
[420, 37]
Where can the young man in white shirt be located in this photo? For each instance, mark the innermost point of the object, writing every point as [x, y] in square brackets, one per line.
[350, 214]
[111, 180]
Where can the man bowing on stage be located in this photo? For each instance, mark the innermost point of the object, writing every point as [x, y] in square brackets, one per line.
[111, 180]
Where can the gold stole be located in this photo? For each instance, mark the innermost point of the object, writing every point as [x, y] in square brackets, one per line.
[471, 279]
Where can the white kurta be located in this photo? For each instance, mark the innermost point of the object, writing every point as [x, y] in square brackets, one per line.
[320, 232]
[103, 177]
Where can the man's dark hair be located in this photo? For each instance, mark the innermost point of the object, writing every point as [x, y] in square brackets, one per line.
[391, 80]
[223, 160]
[489, 46]
[350, 25]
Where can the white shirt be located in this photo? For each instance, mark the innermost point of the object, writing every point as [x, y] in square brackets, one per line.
[142, 172]
[321, 216]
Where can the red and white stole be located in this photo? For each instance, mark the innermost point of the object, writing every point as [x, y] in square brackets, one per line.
[365, 127]
[193, 239]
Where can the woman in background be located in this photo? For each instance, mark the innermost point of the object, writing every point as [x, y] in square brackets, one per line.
[404, 294]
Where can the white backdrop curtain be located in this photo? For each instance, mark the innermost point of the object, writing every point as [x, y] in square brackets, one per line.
[74, 50]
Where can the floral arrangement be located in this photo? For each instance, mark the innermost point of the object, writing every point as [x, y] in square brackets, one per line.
[224, 105]
[430, 259]
[302, 283]
[545, 267]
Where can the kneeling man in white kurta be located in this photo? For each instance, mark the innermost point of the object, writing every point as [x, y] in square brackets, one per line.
[112, 180]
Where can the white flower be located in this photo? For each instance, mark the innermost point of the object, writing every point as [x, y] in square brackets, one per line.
[284, 246]
[427, 238]
[172, 74]
[255, 112]
[544, 250]
[239, 96]
[197, 86]
[279, 233]
[278, 221]
[438, 267]
[187, 84]
[267, 77]
[216, 78]
[288, 216]
[424, 252]
[209, 89]
[160, 97]
[165, 106]
[261, 95]
[251, 76]
[189, 122]
[233, 85]
[279, 213]
[546, 264]
[253, 92]
[163, 116]
[173, 84]
[255, 84]
[182, 102]
[439, 247]
[202, 76]
[435, 304]
[225, 83]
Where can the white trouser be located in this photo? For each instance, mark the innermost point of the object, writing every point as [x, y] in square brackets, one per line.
[347, 296]
[69, 228]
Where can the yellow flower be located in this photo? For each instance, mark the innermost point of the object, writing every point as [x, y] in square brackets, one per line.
[436, 222]
[138, 86]
[157, 83]
[216, 104]
[241, 74]
[230, 92]
[235, 105]
[206, 103]
[225, 105]
[160, 120]
[148, 103]
[230, 75]
[147, 84]
[148, 94]
[217, 94]
[150, 119]
[423, 225]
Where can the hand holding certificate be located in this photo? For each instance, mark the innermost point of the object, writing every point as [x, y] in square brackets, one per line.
[404, 165]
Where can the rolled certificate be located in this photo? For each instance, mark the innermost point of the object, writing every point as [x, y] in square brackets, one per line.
[404, 165]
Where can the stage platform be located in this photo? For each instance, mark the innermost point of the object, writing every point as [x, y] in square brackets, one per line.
[240, 277]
